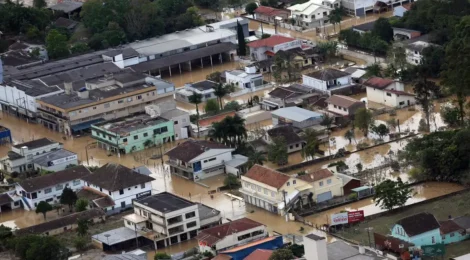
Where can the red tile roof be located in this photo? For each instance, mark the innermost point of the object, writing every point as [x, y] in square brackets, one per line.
[270, 42]
[316, 176]
[212, 235]
[449, 226]
[269, 11]
[267, 176]
[259, 254]
[379, 83]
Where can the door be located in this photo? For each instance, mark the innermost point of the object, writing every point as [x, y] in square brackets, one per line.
[184, 133]
[324, 196]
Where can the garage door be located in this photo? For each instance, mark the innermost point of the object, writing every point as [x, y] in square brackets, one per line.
[324, 196]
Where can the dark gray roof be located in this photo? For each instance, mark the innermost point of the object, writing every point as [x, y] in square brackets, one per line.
[204, 85]
[18, 58]
[114, 177]
[339, 250]
[418, 223]
[175, 59]
[143, 170]
[173, 113]
[413, 44]
[65, 23]
[315, 237]
[67, 6]
[126, 53]
[285, 131]
[365, 27]
[55, 178]
[206, 212]
[124, 257]
[463, 221]
[36, 143]
[57, 154]
[193, 148]
[328, 74]
[33, 87]
[14, 156]
[165, 202]
[5, 199]
[61, 222]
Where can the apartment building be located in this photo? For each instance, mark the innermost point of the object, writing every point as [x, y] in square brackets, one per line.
[106, 97]
[49, 187]
[21, 157]
[230, 235]
[121, 184]
[164, 218]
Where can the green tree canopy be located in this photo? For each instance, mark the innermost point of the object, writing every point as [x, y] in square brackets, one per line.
[390, 194]
[212, 107]
[33, 247]
[68, 197]
[196, 99]
[363, 119]
[231, 181]
[282, 254]
[82, 228]
[56, 45]
[81, 205]
[381, 130]
[250, 8]
[277, 151]
[43, 207]
[383, 29]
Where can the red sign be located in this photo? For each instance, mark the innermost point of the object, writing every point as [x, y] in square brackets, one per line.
[355, 216]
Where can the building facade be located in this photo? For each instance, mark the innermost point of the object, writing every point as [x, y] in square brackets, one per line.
[313, 13]
[388, 92]
[344, 105]
[204, 88]
[266, 48]
[328, 80]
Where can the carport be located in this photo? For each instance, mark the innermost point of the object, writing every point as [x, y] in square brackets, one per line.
[5, 202]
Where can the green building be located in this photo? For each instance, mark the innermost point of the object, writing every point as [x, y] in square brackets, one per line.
[132, 133]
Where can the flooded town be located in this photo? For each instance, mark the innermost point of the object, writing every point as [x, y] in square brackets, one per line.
[272, 130]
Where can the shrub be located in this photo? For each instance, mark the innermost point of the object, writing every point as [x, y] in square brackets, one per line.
[352, 196]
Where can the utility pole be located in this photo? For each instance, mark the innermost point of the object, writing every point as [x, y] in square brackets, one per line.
[285, 205]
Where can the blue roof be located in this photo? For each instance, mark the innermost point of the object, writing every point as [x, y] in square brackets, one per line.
[296, 113]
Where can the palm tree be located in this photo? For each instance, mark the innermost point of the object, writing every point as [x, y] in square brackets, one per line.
[196, 99]
[311, 146]
[349, 135]
[336, 16]
[373, 70]
[256, 157]
[327, 121]
[220, 91]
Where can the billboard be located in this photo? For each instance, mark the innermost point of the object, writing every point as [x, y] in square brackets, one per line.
[434, 250]
[347, 217]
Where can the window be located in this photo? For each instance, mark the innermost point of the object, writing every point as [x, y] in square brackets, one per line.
[257, 233]
[273, 194]
[291, 147]
[335, 106]
[76, 182]
[123, 204]
[73, 113]
[139, 97]
[259, 188]
[190, 215]
[129, 99]
[253, 187]
[210, 160]
[401, 103]
[48, 190]
[146, 134]
[443, 237]
[164, 129]
[121, 101]
[128, 188]
[136, 137]
[313, 16]
[124, 140]
[240, 238]
[328, 181]
[294, 182]
[59, 187]
[107, 105]
[109, 193]
[175, 122]
[452, 234]
[296, 145]
[94, 108]
[208, 96]
[121, 192]
[288, 183]
[142, 186]
[321, 183]
[266, 191]
[191, 224]
[433, 240]
[388, 94]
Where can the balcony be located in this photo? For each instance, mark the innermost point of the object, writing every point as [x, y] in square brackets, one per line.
[180, 166]
[175, 220]
[53, 114]
[176, 230]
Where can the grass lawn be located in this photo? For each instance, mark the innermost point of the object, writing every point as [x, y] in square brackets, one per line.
[455, 206]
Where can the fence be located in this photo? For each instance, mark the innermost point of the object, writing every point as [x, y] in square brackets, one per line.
[248, 90]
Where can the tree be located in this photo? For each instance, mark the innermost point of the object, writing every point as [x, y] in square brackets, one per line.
[241, 40]
[80, 243]
[311, 146]
[425, 92]
[34, 34]
[114, 35]
[383, 29]
[335, 17]
[232, 105]
[220, 91]
[5, 236]
[43, 207]
[82, 228]
[196, 99]
[359, 167]
[230, 131]
[396, 56]
[215, 76]
[39, 4]
[34, 247]
[68, 197]
[79, 48]
[56, 45]
[81, 205]
[328, 49]
[282, 254]
[373, 70]
[377, 45]
[161, 256]
[390, 194]
[451, 115]
[189, 19]
[432, 60]
[256, 157]
[212, 107]
[231, 181]
[363, 119]
[250, 8]
[380, 130]
[349, 135]
[277, 151]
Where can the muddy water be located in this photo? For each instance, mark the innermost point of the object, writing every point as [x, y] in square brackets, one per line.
[422, 192]
[19, 218]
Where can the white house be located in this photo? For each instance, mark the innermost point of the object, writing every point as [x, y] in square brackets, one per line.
[293, 141]
[388, 92]
[166, 219]
[343, 105]
[414, 49]
[121, 184]
[296, 116]
[122, 57]
[204, 88]
[198, 159]
[181, 122]
[360, 7]
[399, 11]
[229, 235]
[247, 79]
[21, 156]
[328, 80]
[264, 49]
[49, 187]
[57, 160]
[313, 13]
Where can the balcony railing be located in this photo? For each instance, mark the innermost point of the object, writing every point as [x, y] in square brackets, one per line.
[179, 165]
[54, 114]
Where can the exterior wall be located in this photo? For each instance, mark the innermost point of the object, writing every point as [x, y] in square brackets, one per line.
[454, 237]
[69, 227]
[52, 196]
[247, 82]
[314, 19]
[24, 164]
[426, 238]
[180, 126]
[205, 163]
[389, 99]
[413, 57]
[338, 110]
[18, 165]
[270, 18]
[333, 184]
[291, 148]
[325, 85]
[232, 240]
[259, 53]
[303, 124]
[358, 8]
[56, 167]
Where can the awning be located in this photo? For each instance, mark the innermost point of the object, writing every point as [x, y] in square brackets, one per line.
[269, 53]
[86, 125]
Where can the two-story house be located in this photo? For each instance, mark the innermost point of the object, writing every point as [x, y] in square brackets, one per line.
[121, 184]
[388, 92]
[231, 234]
[199, 159]
[166, 219]
[313, 13]
[264, 49]
[21, 157]
[49, 187]
[270, 189]
[344, 105]
[247, 79]
[293, 141]
[414, 48]
[325, 185]
[205, 88]
[420, 229]
[328, 80]
[268, 14]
